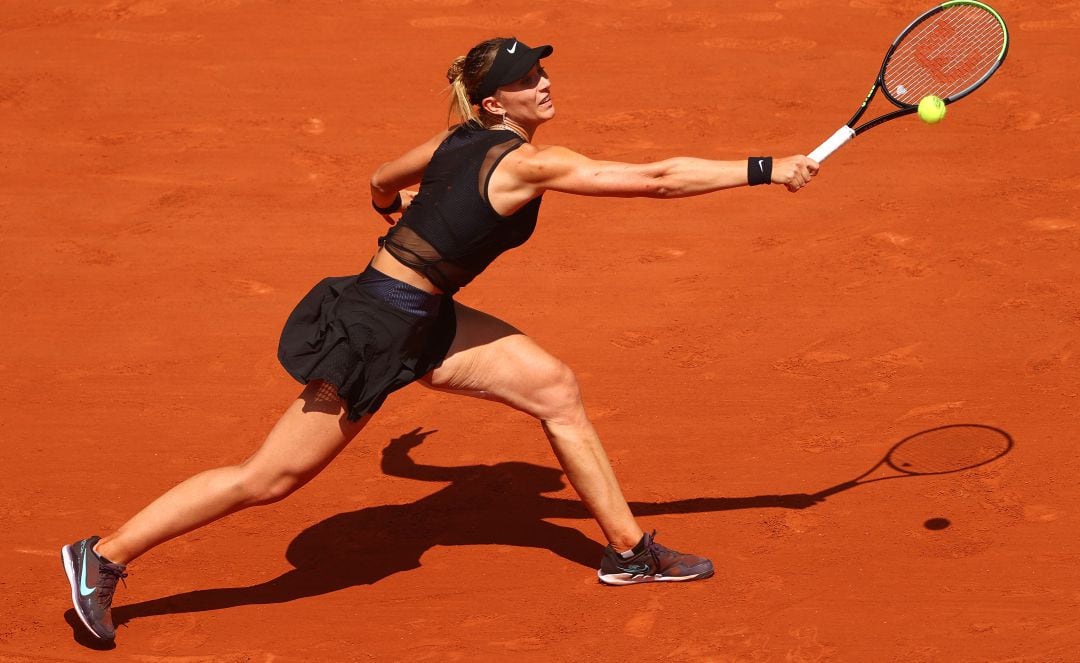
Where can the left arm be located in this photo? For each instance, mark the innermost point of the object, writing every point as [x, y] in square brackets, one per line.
[391, 177]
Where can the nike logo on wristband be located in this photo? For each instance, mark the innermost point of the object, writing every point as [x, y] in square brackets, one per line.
[761, 165]
[512, 49]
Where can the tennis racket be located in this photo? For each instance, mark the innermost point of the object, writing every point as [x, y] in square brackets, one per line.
[942, 450]
[947, 52]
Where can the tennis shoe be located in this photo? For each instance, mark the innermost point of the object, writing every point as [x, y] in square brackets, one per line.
[652, 562]
[93, 581]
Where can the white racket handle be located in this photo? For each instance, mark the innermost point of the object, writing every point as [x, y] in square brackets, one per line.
[842, 135]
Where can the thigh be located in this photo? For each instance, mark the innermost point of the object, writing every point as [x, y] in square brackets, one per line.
[494, 360]
[311, 433]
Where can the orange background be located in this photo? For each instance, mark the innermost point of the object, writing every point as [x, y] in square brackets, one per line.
[175, 174]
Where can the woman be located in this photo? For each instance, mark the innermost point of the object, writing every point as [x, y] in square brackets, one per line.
[354, 340]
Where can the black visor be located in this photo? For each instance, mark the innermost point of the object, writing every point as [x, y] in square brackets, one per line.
[513, 61]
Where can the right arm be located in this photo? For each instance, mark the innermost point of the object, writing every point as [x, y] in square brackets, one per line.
[537, 170]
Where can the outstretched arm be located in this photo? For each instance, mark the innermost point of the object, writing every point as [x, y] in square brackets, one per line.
[560, 169]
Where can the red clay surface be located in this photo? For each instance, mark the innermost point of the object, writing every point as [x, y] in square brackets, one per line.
[176, 174]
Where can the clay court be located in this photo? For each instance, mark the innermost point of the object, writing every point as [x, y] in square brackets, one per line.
[176, 174]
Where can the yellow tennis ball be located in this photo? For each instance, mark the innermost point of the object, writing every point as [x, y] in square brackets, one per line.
[931, 109]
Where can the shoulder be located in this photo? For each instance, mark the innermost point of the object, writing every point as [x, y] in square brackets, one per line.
[538, 163]
[445, 135]
[547, 152]
[432, 144]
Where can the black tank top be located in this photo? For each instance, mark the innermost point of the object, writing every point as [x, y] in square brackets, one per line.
[450, 233]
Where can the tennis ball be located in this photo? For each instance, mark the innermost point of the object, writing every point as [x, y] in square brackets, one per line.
[931, 109]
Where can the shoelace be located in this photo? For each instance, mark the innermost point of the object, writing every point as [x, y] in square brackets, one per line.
[109, 575]
[655, 549]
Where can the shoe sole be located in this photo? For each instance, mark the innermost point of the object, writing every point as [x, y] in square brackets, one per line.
[69, 568]
[623, 579]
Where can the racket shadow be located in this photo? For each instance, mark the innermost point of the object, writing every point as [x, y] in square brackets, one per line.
[949, 449]
[503, 504]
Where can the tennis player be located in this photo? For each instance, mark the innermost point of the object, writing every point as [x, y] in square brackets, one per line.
[352, 341]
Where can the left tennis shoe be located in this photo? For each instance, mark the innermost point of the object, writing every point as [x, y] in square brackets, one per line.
[93, 581]
[652, 562]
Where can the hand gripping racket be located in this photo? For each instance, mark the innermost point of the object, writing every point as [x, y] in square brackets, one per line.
[947, 52]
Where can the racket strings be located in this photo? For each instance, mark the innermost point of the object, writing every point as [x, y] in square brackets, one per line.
[946, 55]
[968, 43]
[971, 30]
[944, 70]
[973, 54]
[949, 449]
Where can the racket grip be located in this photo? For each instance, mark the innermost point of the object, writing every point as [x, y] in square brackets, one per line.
[842, 135]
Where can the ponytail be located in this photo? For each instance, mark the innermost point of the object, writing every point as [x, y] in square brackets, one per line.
[460, 106]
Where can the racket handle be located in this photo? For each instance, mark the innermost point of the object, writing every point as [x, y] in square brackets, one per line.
[842, 135]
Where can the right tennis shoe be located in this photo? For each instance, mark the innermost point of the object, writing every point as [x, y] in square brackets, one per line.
[93, 581]
[652, 562]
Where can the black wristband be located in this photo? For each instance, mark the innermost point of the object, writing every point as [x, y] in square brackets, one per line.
[391, 208]
[759, 170]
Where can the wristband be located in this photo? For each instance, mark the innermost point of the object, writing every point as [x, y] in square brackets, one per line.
[391, 208]
[759, 170]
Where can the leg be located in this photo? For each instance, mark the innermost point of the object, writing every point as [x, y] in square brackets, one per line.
[308, 436]
[490, 359]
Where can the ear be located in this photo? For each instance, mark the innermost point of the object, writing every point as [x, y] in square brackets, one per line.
[492, 105]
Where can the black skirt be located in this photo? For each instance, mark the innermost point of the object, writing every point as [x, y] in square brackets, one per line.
[368, 335]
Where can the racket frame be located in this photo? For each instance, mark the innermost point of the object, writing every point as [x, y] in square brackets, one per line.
[992, 430]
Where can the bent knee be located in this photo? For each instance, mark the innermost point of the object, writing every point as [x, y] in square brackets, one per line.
[260, 487]
[558, 397]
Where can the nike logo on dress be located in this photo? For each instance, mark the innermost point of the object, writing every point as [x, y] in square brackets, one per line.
[83, 589]
[511, 50]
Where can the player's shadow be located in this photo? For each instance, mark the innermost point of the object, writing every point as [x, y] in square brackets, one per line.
[482, 504]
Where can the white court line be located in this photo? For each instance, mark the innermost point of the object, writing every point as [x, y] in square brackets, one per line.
[42, 553]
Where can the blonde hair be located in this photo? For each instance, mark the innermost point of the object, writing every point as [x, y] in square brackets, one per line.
[465, 75]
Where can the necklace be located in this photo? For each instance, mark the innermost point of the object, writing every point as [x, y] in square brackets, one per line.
[509, 126]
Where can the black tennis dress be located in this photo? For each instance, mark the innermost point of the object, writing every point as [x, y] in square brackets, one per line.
[369, 334]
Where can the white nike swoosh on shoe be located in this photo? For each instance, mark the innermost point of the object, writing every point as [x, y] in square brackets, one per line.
[83, 588]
